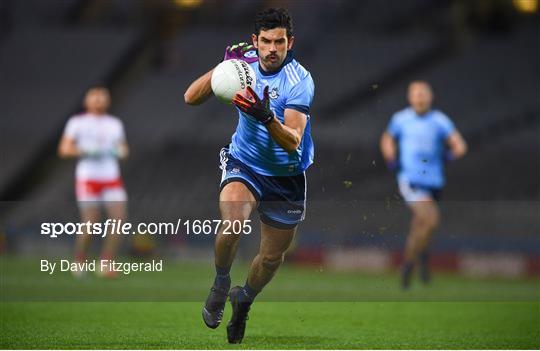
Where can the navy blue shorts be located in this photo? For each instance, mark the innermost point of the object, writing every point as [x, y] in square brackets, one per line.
[281, 200]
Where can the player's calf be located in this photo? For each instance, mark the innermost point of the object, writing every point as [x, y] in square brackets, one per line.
[271, 263]
[232, 210]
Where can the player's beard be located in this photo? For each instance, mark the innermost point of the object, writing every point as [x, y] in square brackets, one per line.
[272, 65]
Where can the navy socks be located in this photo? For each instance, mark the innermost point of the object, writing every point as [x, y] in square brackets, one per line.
[223, 277]
[249, 294]
[223, 280]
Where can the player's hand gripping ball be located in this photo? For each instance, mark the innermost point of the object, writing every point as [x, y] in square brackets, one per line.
[241, 51]
[255, 106]
[230, 77]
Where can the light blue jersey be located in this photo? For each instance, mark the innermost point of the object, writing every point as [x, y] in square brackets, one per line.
[291, 87]
[422, 146]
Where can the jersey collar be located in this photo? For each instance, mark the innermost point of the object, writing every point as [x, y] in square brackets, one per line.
[426, 114]
[288, 59]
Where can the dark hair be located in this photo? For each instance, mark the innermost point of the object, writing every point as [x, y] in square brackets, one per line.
[273, 18]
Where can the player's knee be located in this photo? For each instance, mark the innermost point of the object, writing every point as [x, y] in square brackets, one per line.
[272, 262]
[235, 211]
[232, 219]
[434, 220]
[422, 220]
[428, 221]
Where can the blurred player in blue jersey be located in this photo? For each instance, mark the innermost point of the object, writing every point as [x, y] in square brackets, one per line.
[264, 165]
[417, 143]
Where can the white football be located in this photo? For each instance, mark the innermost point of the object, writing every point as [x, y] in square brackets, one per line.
[232, 76]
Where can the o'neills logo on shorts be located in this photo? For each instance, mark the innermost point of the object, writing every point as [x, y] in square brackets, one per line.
[294, 211]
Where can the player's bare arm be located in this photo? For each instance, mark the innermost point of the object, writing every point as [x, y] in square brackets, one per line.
[289, 134]
[68, 148]
[123, 150]
[388, 147]
[457, 145]
[200, 90]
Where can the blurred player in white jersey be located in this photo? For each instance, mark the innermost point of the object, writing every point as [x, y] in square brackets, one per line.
[98, 141]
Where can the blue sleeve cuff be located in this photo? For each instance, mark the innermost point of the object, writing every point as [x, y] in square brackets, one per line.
[300, 108]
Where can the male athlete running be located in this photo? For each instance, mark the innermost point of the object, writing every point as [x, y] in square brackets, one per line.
[263, 167]
[416, 144]
[97, 139]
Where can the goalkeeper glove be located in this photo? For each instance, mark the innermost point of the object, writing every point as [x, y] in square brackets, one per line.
[255, 107]
[97, 153]
[241, 51]
[91, 152]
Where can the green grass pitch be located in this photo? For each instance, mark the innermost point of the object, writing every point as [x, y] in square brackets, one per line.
[303, 308]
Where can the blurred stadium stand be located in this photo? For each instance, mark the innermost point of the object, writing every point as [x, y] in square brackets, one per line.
[484, 64]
